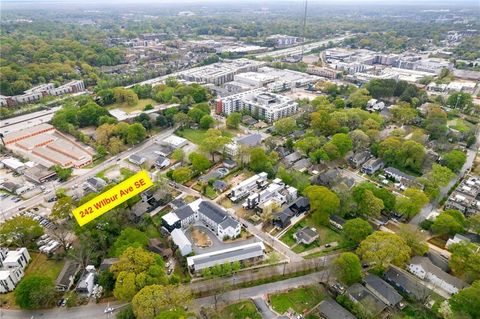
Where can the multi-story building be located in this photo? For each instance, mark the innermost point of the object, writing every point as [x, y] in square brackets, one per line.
[260, 103]
[16, 258]
[466, 198]
[244, 188]
[423, 268]
[210, 214]
[282, 40]
[36, 93]
[13, 264]
[10, 278]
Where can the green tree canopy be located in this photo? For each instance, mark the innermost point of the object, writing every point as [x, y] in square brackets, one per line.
[465, 303]
[356, 230]
[35, 292]
[154, 300]
[20, 231]
[323, 203]
[348, 268]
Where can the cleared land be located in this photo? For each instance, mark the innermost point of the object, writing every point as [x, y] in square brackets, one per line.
[300, 300]
[140, 106]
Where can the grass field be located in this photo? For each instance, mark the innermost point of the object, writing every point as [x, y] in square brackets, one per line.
[140, 106]
[241, 310]
[300, 299]
[197, 136]
[41, 266]
[326, 235]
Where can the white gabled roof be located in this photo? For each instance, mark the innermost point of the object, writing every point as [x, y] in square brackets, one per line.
[171, 218]
[179, 238]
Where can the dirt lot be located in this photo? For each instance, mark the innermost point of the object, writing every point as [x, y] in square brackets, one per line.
[200, 239]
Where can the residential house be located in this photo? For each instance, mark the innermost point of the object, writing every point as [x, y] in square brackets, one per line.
[407, 283]
[66, 277]
[290, 159]
[401, 177]
[423, 268]
[95, 184]
[306, 235]
[361, 295]
[251, 140]
[86, 283]
[372, 166]
[181, 241]
[327, 178]
[359, 158]
[220, 186]
[107, 263]
[337, 221]
[16, 258]
[177, 203]
[228, 163]
[244, 188]
[283, 218]
[330, 309]
[161, 162]
[382, 290]
[9, 278]
[136, 159]
[302, 165]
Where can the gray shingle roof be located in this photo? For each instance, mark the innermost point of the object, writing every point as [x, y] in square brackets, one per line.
[380, 287]
[212, 211]
[428, 266]
[184, 212]
[408, 283]
[229, 222]
[330, 309]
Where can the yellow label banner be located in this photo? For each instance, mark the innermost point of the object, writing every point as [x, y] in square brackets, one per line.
[112, 198]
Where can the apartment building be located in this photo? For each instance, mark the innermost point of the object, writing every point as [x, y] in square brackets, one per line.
[13, 264]
[36, 93]
[244, 188]
[283, 40]
[466, 197]
[260, 103]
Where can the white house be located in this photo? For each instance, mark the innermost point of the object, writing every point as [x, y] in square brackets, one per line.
[136, 159]
[181, 241]
[9, 278]
[423, 268]
[16, 258]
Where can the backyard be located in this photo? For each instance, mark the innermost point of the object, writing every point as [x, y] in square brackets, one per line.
[196, 136]
[300, 300]
[140, 106]
[241, 310]
[326, 236]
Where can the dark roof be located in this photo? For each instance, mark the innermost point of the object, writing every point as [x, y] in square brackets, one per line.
[301, 204]
[212, 211]
[220, 185]
[327, 178]
[184, 212]
[408, 283]
[285, 215]
[178, 202]
[160, 159]
[250, 140]
[292, 158]
[330, 309]
[301, 164]
[438, 260]
[306, 234]
[69, 269]
[107, 262]
[229, 222]
[337, 219]
[229, 162]
[428, 266]
[379, 286]
[136, 158]
[368, 300]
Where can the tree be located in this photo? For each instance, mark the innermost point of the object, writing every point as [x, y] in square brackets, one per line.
[465, 260]
[196, 114]
[414, 239]
[348, 268]
[20, 231]
[181, 119]
[136, 133]
[260, 161]
[465, 302]
[356, 230]
[35, 292]
[381, 249]
[213, 142]
[411, 156]
[151, 301]
[182, 174]
[411, 202]
[403, 113]
[436, 122]
[285, 126]
[63, 173]
[62, 208]
[206, 121]
[449, 222]
[129, 237]
[135, 269]
[343, 143]
[233, 120]
[199, 162]
[370, 205]
[323, 203]
[454, 160]
[359, 98]
[440, 175]
[360, 140]
[460, 100]
[178, 155]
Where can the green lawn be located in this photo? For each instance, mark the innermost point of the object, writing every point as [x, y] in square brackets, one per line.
[140, 106]
[41, 266]
[326, 235]
[196, 136]
[460, 125]
[300, 299]
[210, 192]
[241, 310]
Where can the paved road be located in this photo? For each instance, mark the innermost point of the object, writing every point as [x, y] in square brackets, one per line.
[258, 291]
[471, 154]
[298, 49]
[81, 179]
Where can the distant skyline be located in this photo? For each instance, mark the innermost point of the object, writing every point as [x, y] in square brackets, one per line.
[409, 2]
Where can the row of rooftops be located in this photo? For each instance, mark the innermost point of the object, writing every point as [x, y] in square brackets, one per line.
[466, 197]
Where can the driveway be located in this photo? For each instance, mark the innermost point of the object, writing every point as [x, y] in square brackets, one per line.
[217, 244]
[263, 308]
